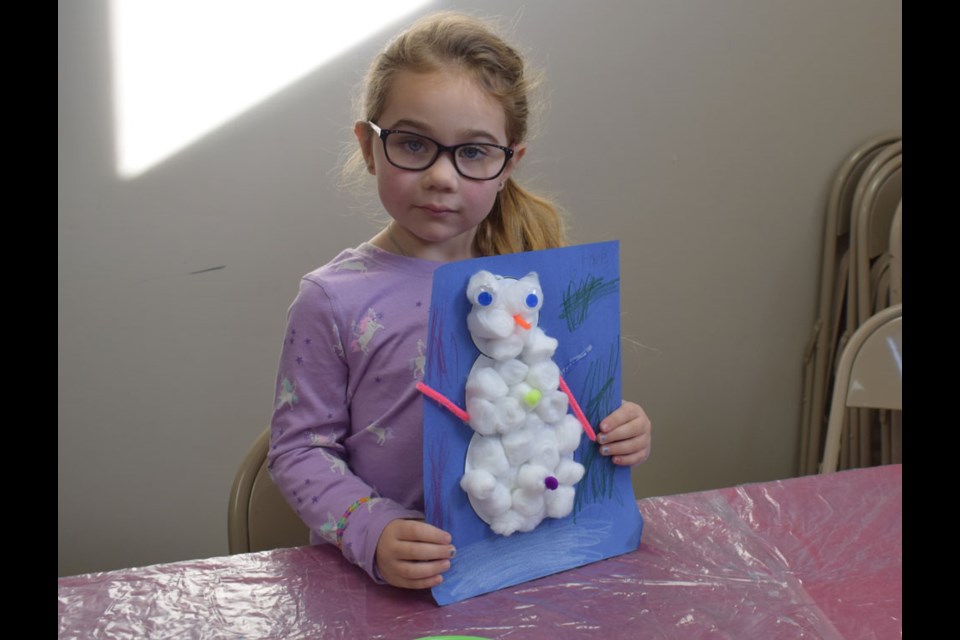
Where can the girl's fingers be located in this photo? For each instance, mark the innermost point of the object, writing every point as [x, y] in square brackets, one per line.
[423, 583]
[422, 551]
[412, 554]
[627, 412]
[628, 452]
[625, 447]
[422, 570]
[419, 531]
[630, 460]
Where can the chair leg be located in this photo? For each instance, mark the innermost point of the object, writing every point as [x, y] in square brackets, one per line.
[886, 457]
[865, 422]
[896, 452]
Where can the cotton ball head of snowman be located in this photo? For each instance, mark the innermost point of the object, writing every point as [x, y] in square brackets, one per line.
[519, 467]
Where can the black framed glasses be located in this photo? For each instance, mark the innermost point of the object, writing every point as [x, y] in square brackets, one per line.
[415, 152]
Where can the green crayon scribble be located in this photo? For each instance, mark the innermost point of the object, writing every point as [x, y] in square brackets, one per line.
[597, 483]
[577, 300]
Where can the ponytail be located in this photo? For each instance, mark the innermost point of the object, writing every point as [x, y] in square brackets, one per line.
[519, 221]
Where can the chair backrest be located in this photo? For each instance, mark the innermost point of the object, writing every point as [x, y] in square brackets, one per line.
[848, 177]
[873, 178]
[258, 517]
[819, 356]
[873, 223]
[869, 374]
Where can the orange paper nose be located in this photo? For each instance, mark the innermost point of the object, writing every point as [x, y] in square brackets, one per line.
[520, 321]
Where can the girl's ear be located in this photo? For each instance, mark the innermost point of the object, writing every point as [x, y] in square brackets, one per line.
[365, 138]
[518, 152]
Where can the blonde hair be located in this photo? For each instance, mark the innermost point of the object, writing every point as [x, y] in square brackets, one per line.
[519, 220]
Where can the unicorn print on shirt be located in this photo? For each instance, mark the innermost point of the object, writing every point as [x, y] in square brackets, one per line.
[288, 394]
[336, 464]
[338, 345]
[352, 265]
[321, 439]
[364, 330]
[419, 363]
[328, 531]
[382, 433]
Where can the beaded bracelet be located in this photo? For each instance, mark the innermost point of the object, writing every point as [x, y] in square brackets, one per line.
[342, 522]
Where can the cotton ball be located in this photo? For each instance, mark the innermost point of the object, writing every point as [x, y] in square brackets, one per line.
[532, 477]
[517, 446]
[526, 395]
[569, 472]
[502, 349]
[559, 503]
[487, 319]
[553, 406]
[544, 375]
[545, 451]
[568, 433]
[485, 382]
[488, 454]
[512, 371]
[535, 425]
[530, 522]
[499, 502]
[478, 483]
[479, 282]
[539, 346]
[490, 323]
[524, 295]
[510, 477]
[528, 503]
[510, 414]
[507, 523]
[483, 416]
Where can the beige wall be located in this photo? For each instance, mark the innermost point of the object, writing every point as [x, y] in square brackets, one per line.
[702, 134]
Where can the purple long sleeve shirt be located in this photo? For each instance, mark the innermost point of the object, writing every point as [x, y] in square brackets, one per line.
[348, 421]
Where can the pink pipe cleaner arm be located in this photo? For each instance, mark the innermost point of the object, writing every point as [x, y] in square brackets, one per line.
[446, 403]
[577, 411]
[443, 400]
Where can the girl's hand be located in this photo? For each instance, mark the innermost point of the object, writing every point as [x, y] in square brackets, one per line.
[412, 554]
[625, 434]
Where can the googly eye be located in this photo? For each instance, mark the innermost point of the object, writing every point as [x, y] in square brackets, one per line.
[532, 300]
[484, 298]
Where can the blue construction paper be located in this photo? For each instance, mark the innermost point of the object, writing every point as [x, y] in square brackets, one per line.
[581, 309]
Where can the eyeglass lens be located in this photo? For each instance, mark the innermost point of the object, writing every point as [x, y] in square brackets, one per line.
[474, 160]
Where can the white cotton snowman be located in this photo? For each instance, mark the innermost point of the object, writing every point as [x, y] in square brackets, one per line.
[520, 467]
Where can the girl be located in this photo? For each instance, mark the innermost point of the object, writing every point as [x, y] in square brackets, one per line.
[443, 127]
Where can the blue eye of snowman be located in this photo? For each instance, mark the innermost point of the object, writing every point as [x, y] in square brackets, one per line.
[532, 300]
[484, 298]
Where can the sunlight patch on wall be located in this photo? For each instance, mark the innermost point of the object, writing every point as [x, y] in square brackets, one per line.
[182, 68]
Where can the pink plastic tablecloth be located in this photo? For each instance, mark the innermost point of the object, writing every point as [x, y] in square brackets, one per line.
[812, 557]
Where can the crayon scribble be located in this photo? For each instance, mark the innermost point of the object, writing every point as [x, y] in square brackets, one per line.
[437, 459]
[577, 300]
[598, 388]
[496, 561]
[597, 483]
[598, 480]
[436, 360]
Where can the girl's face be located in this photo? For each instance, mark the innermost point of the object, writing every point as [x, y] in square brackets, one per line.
[436, 211]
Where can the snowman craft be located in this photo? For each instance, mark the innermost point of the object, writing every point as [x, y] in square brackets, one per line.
[519, 467]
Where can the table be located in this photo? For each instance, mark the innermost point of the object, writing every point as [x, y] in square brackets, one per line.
[810, 557]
